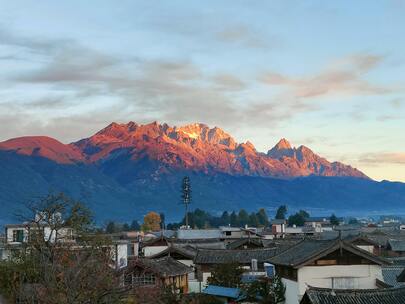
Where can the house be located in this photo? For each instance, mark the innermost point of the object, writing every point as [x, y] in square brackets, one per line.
[354, 296]
[20, 233]
[154, 274]
[154, 246]
[391, 273]
[278, 227]
[250, 259]
[396, 247]
[326, 264]
[184, 234]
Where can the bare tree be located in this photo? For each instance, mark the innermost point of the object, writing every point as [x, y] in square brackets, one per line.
[63, 259]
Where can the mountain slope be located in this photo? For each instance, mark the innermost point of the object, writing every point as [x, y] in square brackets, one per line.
[125, 170]
[198, 147]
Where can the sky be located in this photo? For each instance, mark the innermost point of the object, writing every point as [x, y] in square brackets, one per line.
[326, 74]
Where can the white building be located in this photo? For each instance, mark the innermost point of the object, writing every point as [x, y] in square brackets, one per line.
[326, 264]
[20, 233]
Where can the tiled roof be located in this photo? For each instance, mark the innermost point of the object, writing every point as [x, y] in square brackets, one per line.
[244, 256]
[309, 250]
[163, 267]
[390, 275]
[186, 251]
[245, 241]
[401, 277]
[397, 245]
[351, 296]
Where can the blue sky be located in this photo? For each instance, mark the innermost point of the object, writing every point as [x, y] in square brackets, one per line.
[326, 74]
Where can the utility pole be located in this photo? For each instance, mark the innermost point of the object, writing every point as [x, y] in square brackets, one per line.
[186, 196]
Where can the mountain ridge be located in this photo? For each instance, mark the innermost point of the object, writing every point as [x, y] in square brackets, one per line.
[193, 146]
[126, 170]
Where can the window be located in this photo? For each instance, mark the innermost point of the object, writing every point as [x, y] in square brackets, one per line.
[344, 283]
[228, 233]
[140, 280]
[18, 236]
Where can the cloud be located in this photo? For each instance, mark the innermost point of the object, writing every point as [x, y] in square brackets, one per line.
[36, 45]
[383, 158]
[341, 77]
[245, 36]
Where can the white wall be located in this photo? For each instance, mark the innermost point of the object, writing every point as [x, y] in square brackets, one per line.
[369, 248]
[10, 234]
[152, 250]
[364, 276]
[291, 291]
[121, 255]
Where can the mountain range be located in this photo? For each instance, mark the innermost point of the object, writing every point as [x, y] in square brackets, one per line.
[125, 170]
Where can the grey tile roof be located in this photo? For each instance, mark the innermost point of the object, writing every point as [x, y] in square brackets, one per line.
[245, 241]
[244, 256]
[163, 267]
[186, 251]
[397, 245]
[309, 250]
[391, 273]
[401, 277]
[350, 296]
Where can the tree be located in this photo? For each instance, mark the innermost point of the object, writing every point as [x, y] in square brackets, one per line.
[266, 291]
[234, 219]
[253, 220]
[304, 214]
[125, 227]
[298, 219]
[135, 225]
[225, 218]
[50, 268]
[281, 212]
[243, 217]
[227, 275]
[334, 220]
[162, 220]
[353, 221]
[278, 288]
[111, 228]
[151, 222]
[262, 218]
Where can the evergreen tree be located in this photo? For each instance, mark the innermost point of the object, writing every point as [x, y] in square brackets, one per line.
[262, 218]
[298, 219]
[135, 225]
[225, 218]
[125, 227]
[111, 227]
[234, 219]
[334, 220]
[281, 212]
[253, 220]
[226, 275]
[243, 217]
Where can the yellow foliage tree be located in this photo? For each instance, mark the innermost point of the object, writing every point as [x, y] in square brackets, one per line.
[151, 222]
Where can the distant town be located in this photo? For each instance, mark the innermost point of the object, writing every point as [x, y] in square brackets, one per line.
[56, 252]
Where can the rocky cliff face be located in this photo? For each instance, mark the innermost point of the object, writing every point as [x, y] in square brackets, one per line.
[192, 147]
[206, 149]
